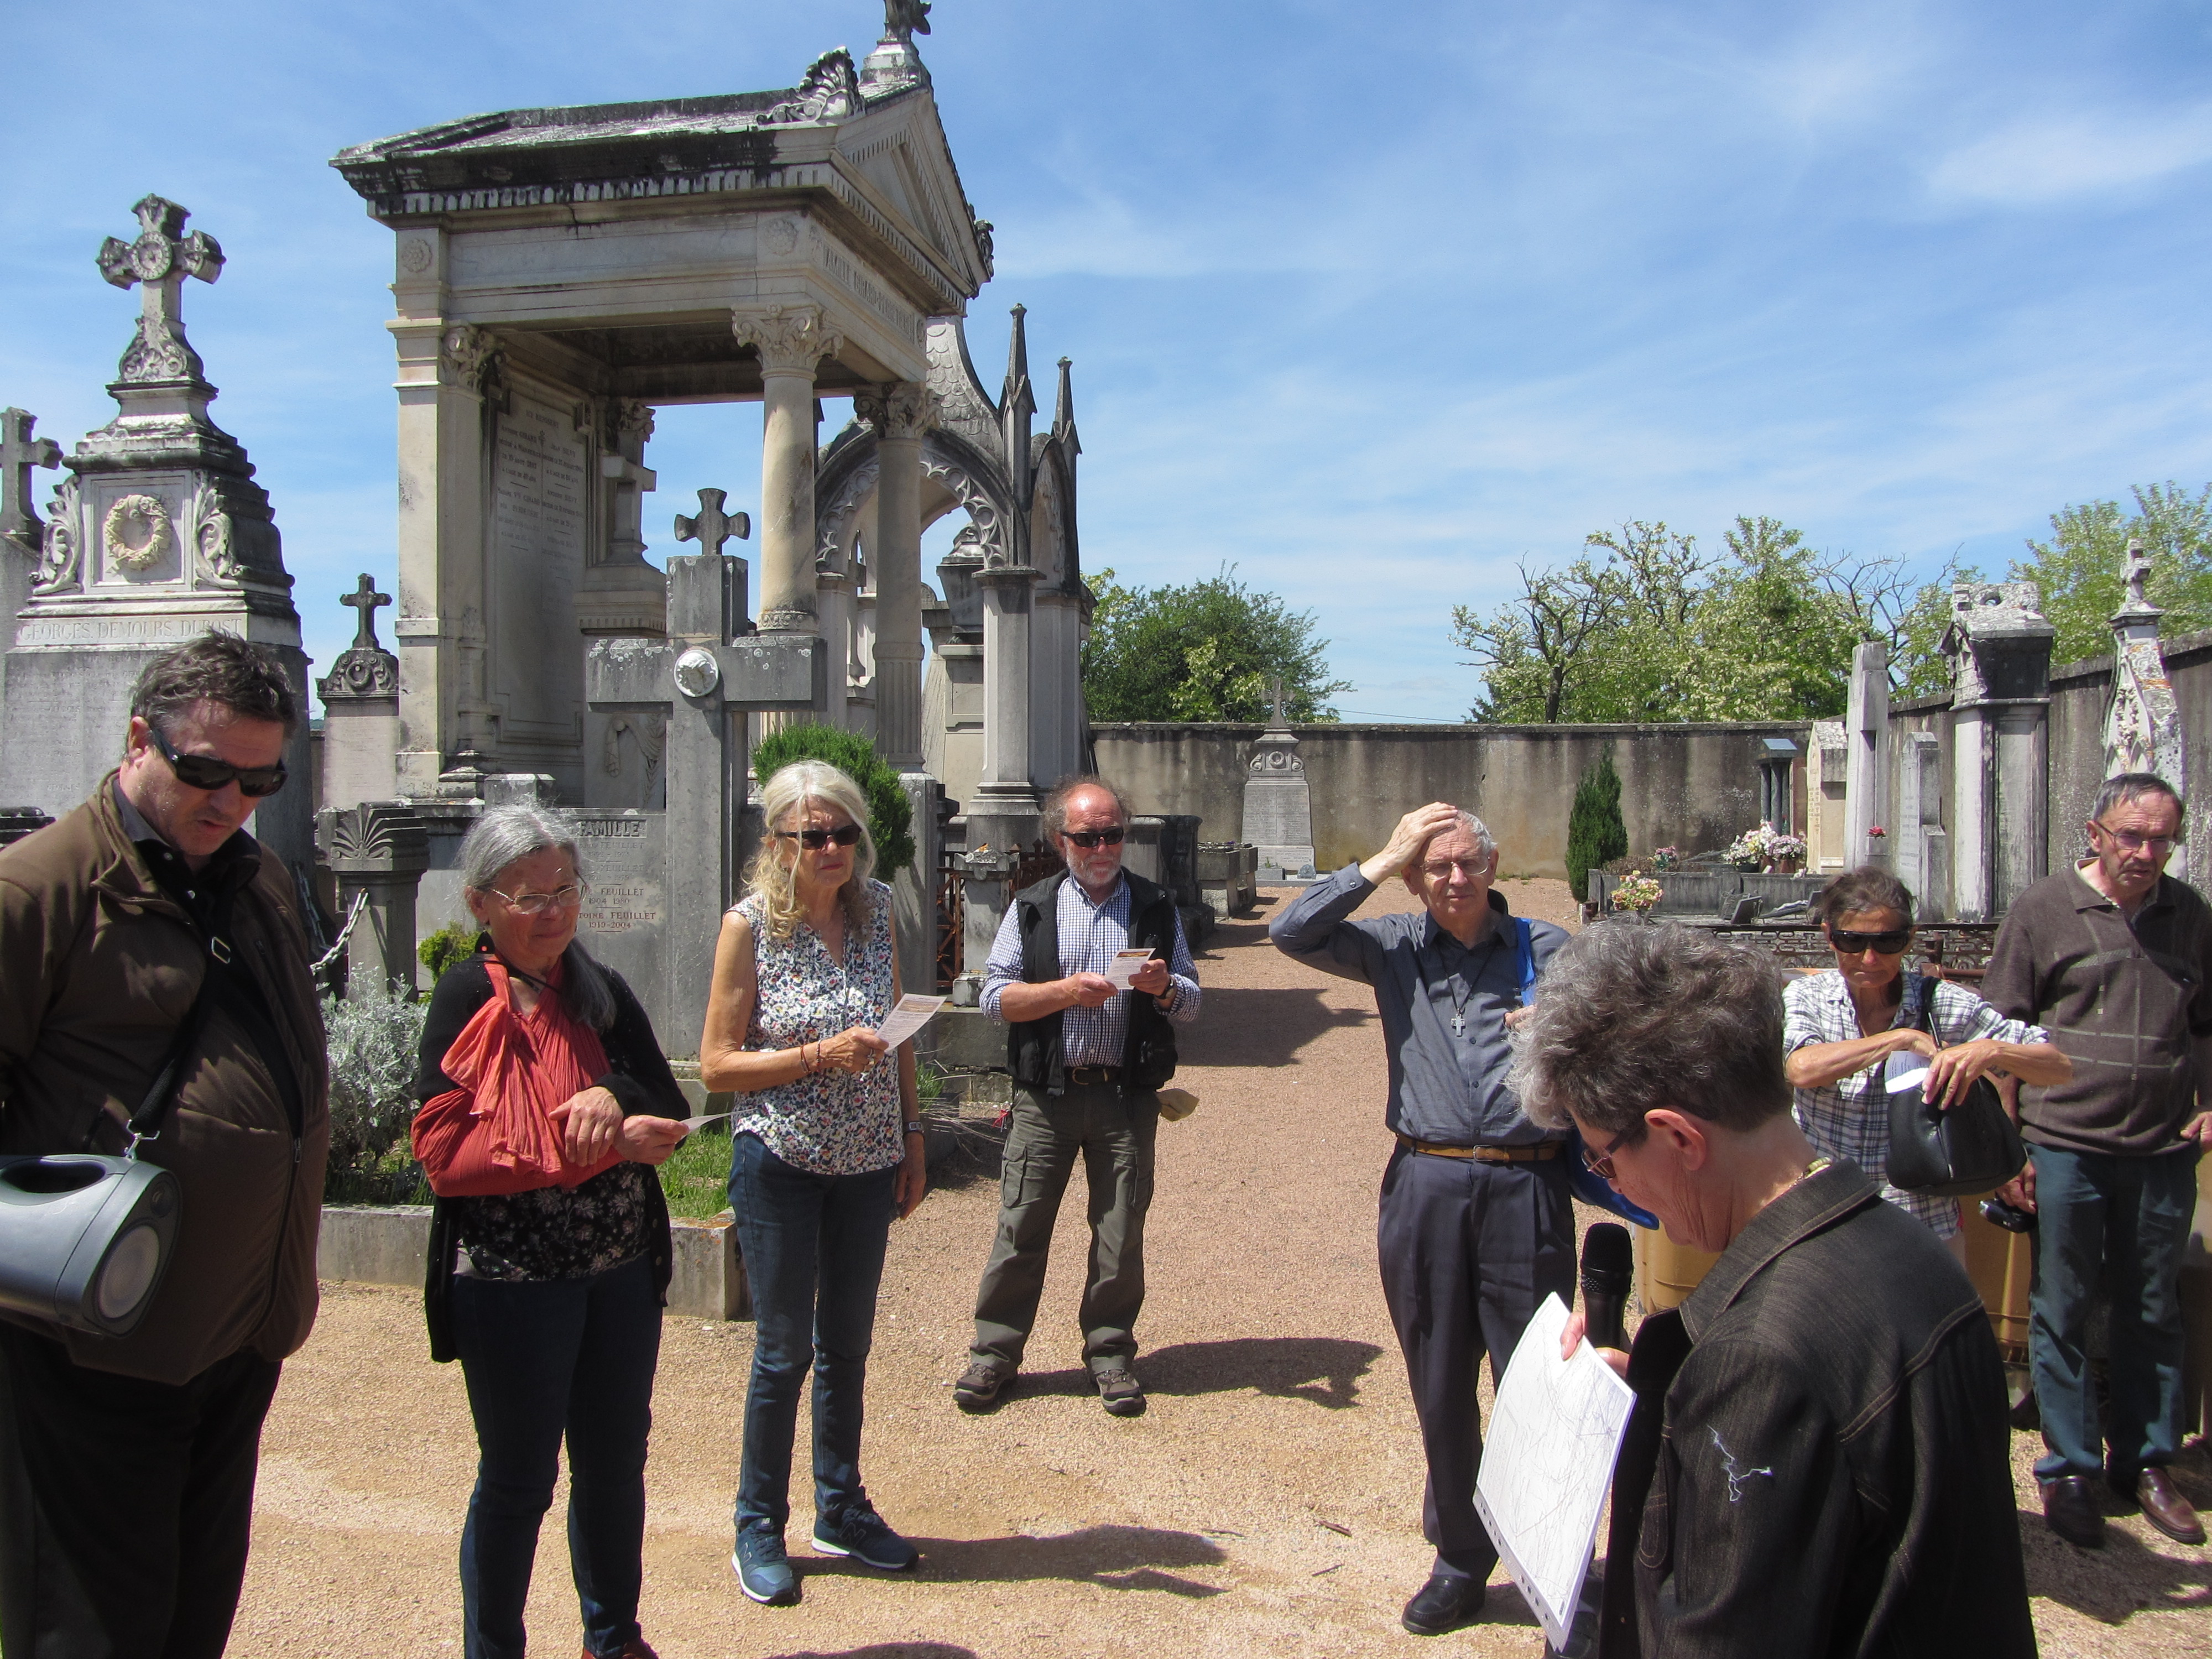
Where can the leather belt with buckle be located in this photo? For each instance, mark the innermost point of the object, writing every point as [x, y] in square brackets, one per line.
[1086, 1077]
[1534, 1153]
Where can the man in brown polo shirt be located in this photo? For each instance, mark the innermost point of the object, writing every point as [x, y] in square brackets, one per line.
[2114, 959]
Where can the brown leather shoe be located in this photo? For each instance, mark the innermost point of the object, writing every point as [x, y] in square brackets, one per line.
[2167, 1508]
[2070, 1510]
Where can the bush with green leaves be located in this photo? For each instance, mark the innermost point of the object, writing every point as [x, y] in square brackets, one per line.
[890, 814]
[372, 1043]
[1596, 832]
[452, 943]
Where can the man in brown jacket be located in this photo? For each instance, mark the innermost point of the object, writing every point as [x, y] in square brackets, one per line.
[127, 1463]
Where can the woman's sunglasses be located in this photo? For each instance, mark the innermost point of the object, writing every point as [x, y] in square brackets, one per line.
[1087, 839]
[1886, 944]
[204, 772]
[815, 840]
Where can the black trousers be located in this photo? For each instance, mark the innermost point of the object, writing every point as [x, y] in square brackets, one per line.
[1468, 1251]
[125, 1505]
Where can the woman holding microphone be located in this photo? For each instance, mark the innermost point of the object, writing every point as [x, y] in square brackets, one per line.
[827, 1146]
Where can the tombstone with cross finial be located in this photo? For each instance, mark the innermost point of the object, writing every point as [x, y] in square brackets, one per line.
[1278, 802]
[360, 710]
[712, 526]
[660, 880]
[157, 533]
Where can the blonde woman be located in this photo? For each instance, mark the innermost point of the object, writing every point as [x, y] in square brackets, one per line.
[826, 1145]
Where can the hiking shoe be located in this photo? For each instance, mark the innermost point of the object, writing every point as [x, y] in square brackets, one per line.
[861, 1533]
[980, 1385]
[763, 1569]
[1120, 1392]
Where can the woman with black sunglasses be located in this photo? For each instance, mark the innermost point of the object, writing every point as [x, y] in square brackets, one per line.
[1839, 1026]
[826, 1147]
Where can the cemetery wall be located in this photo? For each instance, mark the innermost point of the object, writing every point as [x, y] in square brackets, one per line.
[1690, 786]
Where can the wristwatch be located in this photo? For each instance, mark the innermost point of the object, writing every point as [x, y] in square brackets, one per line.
[913, 1127]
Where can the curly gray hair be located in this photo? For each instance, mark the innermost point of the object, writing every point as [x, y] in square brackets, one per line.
[1630, 1018]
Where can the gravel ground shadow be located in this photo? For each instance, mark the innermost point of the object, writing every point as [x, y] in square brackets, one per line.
[1324, 1369]
[890, 1651]
[1111, 1557]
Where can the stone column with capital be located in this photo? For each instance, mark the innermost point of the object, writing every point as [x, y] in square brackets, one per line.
[1865, 780]
[901, 413]
[791, 340]
[1999, 643]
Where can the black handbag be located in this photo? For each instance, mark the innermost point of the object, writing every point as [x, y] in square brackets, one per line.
[1973, 1148]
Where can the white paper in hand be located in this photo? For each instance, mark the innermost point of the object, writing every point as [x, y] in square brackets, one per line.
[1123, 968]
[912, 1012]
[698, 1123]
[1547, 1464]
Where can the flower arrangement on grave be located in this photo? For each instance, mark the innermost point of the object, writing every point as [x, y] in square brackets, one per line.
[1638, 893]
[1876, 831]
[1767, 848]
[1664, 859]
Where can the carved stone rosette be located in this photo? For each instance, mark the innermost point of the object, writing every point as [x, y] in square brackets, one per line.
[791, 339]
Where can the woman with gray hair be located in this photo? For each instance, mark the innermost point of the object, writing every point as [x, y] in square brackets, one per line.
[1822, 1425]
[826, 1147]
[545, 1097]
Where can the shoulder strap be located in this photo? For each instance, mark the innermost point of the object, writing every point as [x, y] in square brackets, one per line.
[153, 1110]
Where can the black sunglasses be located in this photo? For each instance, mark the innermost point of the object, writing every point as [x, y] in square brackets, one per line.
[1887, 944]
[1087, 839]
[816, 839]
[204, 772]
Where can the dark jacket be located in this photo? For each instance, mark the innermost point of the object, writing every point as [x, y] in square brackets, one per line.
[637, 1077]
[1148, 1049]
[100, 968]
[1834, 1473]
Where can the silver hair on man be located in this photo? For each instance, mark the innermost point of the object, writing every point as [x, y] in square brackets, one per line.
[1631, 1017]
[495, 840]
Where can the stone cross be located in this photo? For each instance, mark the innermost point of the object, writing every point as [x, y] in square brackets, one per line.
[713, 526]
[19, 453]
[365, 600]
[2137, 572]
[159, 261]
[1277, 694]
[699, 682]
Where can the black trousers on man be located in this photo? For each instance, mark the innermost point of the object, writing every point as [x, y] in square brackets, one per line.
[125, 1505]
[1467, 1250]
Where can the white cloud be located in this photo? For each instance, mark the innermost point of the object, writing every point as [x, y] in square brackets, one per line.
[2051, 159]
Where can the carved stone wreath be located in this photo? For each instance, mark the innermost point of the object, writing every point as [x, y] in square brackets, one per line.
[137, 533]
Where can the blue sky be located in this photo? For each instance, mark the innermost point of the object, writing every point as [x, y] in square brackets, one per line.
[1372, 302]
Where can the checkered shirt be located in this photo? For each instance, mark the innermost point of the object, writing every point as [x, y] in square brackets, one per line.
[1849, 1117]
[1089, 934]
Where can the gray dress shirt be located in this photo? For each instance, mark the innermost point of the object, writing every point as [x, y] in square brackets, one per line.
[1447, 1086]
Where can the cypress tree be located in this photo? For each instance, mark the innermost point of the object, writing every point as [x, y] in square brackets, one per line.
[1595, 831]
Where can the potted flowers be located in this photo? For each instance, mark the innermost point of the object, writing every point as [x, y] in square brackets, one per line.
[1767, 849]
[1637, 893]
[1785, 854]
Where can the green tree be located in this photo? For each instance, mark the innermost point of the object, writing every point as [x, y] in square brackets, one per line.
[1203, 651]
[1644, 626]
[890, 814]
[2079, 570]
[1595, 833]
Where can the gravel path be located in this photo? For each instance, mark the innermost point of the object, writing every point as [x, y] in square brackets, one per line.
[1269, 1503]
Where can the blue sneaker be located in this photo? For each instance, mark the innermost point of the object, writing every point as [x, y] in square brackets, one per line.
[763, 1569]
[860, 1533]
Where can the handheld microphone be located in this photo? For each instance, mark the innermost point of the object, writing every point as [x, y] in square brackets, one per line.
[1609, 1264]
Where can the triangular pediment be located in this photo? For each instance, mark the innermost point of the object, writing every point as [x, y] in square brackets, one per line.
[897, 154]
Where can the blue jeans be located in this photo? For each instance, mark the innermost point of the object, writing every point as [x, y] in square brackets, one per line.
[544, 1358]
[2121, 1222]
[813, 1248]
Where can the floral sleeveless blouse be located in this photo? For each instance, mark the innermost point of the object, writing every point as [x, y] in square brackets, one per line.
[831, 1122]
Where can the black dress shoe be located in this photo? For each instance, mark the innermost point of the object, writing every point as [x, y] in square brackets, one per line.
[1445, 1603]
[2070, 1510]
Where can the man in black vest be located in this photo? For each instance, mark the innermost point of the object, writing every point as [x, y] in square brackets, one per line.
[1087, 1059]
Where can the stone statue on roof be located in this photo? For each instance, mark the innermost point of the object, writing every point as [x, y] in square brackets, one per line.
[904, 19]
